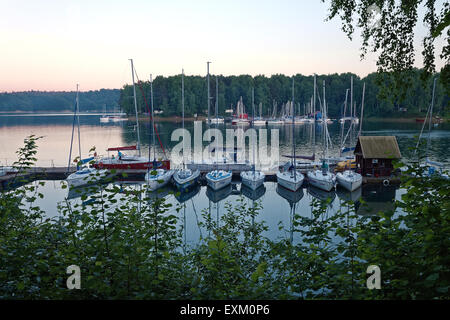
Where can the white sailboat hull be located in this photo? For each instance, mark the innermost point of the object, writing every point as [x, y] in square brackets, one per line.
[85, 177]
[251, 179]
[186, 178]
[218, 179]
[324, 182]
[288, 181]
[158, 180]
[348, 181]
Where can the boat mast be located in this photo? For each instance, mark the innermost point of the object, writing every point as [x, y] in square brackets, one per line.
[182, 107]
[324, 109]
[362, 109]
[217, 98]
[153, 117]
[253, 125]
[78, 120]
[431, 119]
[343, 123]
[314, 117]
[351, 111]
[207, 79]
[293, 122]
[135, 107]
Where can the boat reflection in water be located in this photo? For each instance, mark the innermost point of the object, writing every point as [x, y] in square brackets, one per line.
[253, 194]
[293, 198]
[346, 195]
[187, 194]
[322, 195]
[84, 192]
[160, 193]
[377, 198]
[290, 196]
[218, 195]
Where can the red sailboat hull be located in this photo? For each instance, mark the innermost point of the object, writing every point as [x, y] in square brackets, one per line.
[125, 165]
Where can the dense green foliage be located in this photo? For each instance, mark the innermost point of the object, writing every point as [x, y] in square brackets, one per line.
[167, 95]
[129, 246]
[38, 101]
[388, 28]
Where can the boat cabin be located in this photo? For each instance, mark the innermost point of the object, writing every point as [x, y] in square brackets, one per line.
[374, 155]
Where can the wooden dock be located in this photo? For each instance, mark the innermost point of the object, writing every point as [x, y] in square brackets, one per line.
[14, 180]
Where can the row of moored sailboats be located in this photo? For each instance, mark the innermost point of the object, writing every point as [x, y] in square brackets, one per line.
[159, 173]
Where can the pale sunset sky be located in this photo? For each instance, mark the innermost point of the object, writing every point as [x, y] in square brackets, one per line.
[52, 45]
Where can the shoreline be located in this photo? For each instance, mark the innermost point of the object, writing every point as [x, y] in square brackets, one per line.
[176, 119]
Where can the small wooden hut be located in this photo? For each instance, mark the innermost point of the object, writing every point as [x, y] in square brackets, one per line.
[374, 155]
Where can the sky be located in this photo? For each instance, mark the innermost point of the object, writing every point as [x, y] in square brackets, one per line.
[53, 45]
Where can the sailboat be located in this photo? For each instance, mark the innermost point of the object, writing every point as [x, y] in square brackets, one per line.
[289, 177]
[217, 119]
[84, 174]
[311, 163]
[130, 162]
[350, 179]
[185, 178]
[241, 118]
[435, 169]
[104, 118]
[218, 179]
[254, 178]
[274, 120]
[323, 179]
[259, 121]
[159, 177]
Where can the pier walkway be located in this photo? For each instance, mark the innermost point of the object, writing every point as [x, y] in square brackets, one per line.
[14, 180]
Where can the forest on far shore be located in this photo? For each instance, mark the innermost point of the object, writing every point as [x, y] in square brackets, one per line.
[269, 91]
[277, 89]
[59, 101]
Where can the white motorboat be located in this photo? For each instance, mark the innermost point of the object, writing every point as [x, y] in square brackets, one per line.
[158, 178]
[218, 179]
[349, 180]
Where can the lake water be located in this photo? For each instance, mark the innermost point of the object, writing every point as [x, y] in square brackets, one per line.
[277, 205]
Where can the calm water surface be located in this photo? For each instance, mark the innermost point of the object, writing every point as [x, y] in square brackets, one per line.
[278, 206]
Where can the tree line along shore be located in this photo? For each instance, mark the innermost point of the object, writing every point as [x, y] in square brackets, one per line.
[269, 91]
